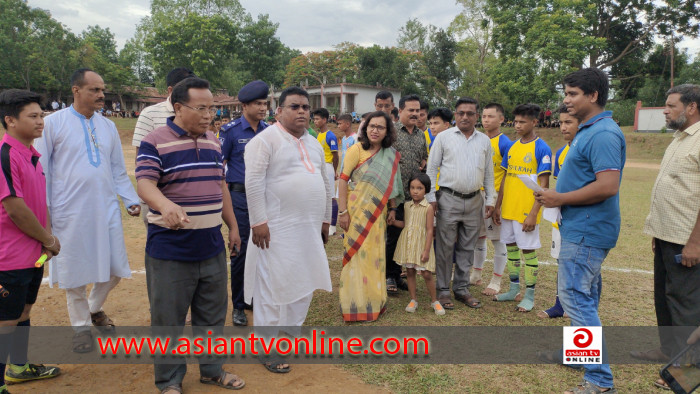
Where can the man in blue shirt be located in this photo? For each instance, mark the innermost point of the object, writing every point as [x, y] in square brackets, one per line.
[588, 194]
[235, 136]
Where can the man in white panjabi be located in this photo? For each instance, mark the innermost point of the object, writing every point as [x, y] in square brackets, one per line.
[84, 165]
[289, 203]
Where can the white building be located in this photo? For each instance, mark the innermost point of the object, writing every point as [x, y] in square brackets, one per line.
[342, 98]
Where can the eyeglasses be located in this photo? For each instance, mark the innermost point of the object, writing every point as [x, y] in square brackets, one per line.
[463, 114]
[376, 127]
[295, 107]
[202, 110]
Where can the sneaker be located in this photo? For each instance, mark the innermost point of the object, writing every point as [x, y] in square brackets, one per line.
[31, 372]
[437, 307]
[412, 306]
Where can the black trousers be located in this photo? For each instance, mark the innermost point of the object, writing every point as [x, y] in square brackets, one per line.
[676, 297]
[393, 270]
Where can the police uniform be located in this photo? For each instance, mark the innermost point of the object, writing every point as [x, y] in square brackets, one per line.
[234, 136]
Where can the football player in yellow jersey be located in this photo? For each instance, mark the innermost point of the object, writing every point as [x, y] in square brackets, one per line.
[439, 120]
[492, 116]
[516, 208]
[329, 143]
[569, 127]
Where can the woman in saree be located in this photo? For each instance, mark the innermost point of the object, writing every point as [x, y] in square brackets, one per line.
[369, 187]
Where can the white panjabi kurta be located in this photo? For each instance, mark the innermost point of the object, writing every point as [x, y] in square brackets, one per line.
[85, 172]
[288, 188]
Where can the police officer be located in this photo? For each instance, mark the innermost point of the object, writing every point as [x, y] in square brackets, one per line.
[236, 135]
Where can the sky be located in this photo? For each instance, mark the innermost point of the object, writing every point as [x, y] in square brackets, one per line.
[307, 25]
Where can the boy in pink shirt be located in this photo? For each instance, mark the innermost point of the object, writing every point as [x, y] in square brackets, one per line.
[25, 232]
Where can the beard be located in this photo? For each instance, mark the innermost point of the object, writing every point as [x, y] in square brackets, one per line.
[678, 123]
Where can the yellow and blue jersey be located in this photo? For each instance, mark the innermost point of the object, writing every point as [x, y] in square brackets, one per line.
[533, 159]
[329, 142]
[559, 160]
[429, 138]
[500, 145]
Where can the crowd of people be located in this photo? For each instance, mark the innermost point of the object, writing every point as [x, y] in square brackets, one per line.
[413, 196]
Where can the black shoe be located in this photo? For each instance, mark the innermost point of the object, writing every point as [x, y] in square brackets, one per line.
[239, 318]
[248, 307]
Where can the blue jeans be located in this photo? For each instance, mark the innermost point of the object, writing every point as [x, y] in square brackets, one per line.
[579, 287]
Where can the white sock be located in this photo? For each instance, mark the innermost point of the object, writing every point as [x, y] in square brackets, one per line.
[480, 253]
[500, 257]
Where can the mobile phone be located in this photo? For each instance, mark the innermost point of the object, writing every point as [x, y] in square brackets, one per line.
[679, 258]
[682, 374]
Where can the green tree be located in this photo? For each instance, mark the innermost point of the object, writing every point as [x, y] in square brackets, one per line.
[323, 67]
[263, 55]
[414, 36]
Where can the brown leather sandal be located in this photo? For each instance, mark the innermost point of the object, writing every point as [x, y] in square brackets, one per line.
[102, 322]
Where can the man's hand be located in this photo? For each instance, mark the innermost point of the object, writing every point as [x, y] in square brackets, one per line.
[489, 211]
[691, 254]
[496, 216]
[261, 236]
[529, 223]
[47, 252]
[325, 228]
[53, 247]
[549, 198]
[174, 216]
[234, 241]
[344, 221]
[694, 337]
[391, 217]
[134, 210]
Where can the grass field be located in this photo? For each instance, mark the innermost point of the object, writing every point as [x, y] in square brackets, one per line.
[626, 301]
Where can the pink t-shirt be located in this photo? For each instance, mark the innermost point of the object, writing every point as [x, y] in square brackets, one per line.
[23, 177]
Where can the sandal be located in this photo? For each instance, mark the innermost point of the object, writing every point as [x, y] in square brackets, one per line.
[468, 300]
[173, 388]
[222, 381]
[391, 287]
[587, 387]
[274, 364]
[83, 342]
[660, 383]
[446, 302]
[102, 322]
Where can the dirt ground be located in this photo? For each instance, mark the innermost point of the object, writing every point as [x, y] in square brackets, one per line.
[127, 305]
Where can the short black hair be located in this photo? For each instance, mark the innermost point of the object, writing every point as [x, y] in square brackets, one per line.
[562, 109]
[78, 77]
[292, 91]
[590, 80]
[422, 178]
[178, 74]
[406, 98]
[383, 95]
[390, 136]
[13, 101]
[181, 90]
[345, 117]
[322, 112]
[531, 111]
[443, 113]
[366, 114]
[395, 112]
[689, 93]
[497, 107]
[467, 100]
[424, 105]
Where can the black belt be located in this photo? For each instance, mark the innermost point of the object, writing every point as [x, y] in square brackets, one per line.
[458, 194]
[236, 187]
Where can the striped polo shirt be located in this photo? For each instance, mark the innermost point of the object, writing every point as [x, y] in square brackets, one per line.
[188, 172]
[151, 118]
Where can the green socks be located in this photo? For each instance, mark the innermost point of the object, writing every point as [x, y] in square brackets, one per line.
[531, 265]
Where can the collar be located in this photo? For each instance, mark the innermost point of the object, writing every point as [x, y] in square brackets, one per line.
[692, 129]
[245, 124]
[78, 114]
[179, 130]
[401, 127]
[22, 149]
[456, 130]
[424, 202]
[595, 119]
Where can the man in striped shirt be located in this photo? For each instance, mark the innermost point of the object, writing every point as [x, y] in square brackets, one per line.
[155, 116]
[180, 175]
[464, 157]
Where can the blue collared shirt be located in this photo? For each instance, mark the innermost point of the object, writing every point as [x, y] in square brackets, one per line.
[236, 135]
[598, 146]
